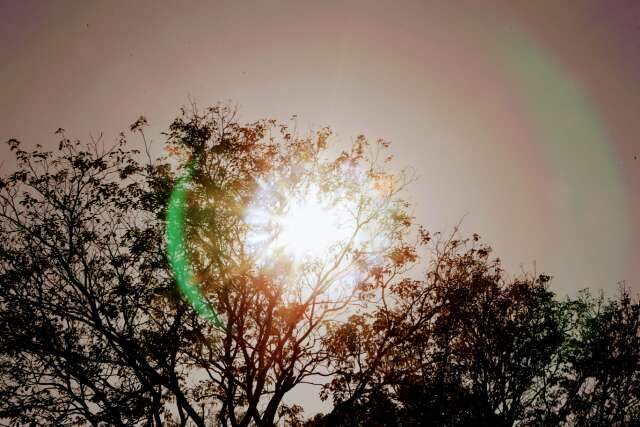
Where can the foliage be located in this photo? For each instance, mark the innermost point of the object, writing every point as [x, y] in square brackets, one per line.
[93, 329]
[466, 346]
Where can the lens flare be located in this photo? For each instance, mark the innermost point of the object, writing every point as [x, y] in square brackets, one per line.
[177, 249]
[577, 152]
[295, 231]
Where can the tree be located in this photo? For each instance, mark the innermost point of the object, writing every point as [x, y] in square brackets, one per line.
[93, 327]
[465, 346]
[599, 377]
[192, 290]
[88, 334]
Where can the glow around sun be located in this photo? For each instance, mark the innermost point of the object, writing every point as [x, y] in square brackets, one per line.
[310, 228]
[303, 226]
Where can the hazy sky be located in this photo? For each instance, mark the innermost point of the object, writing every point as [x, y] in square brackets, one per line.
[523, 116]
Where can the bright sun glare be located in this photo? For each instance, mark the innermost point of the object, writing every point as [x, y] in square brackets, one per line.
[308, 227]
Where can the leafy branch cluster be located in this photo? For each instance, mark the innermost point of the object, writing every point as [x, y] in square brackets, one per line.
[94, 331]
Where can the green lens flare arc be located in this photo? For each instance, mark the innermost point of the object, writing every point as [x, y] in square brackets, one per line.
[577, 151]
[177, 249]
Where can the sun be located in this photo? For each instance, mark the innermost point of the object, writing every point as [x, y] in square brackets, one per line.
[307, 225]
[311, 228]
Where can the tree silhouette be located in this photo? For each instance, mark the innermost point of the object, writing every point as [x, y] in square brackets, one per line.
[599, 380]
[93, 327]
[87, 333]
[98, 326]
[465, 346]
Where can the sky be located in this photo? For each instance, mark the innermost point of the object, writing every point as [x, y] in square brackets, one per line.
[520, 118]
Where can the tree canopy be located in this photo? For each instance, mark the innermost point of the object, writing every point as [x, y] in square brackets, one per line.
[182, 291]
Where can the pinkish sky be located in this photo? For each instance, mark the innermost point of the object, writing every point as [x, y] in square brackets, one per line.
[523, 116]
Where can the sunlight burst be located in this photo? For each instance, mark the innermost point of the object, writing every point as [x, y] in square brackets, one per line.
[308, 226]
